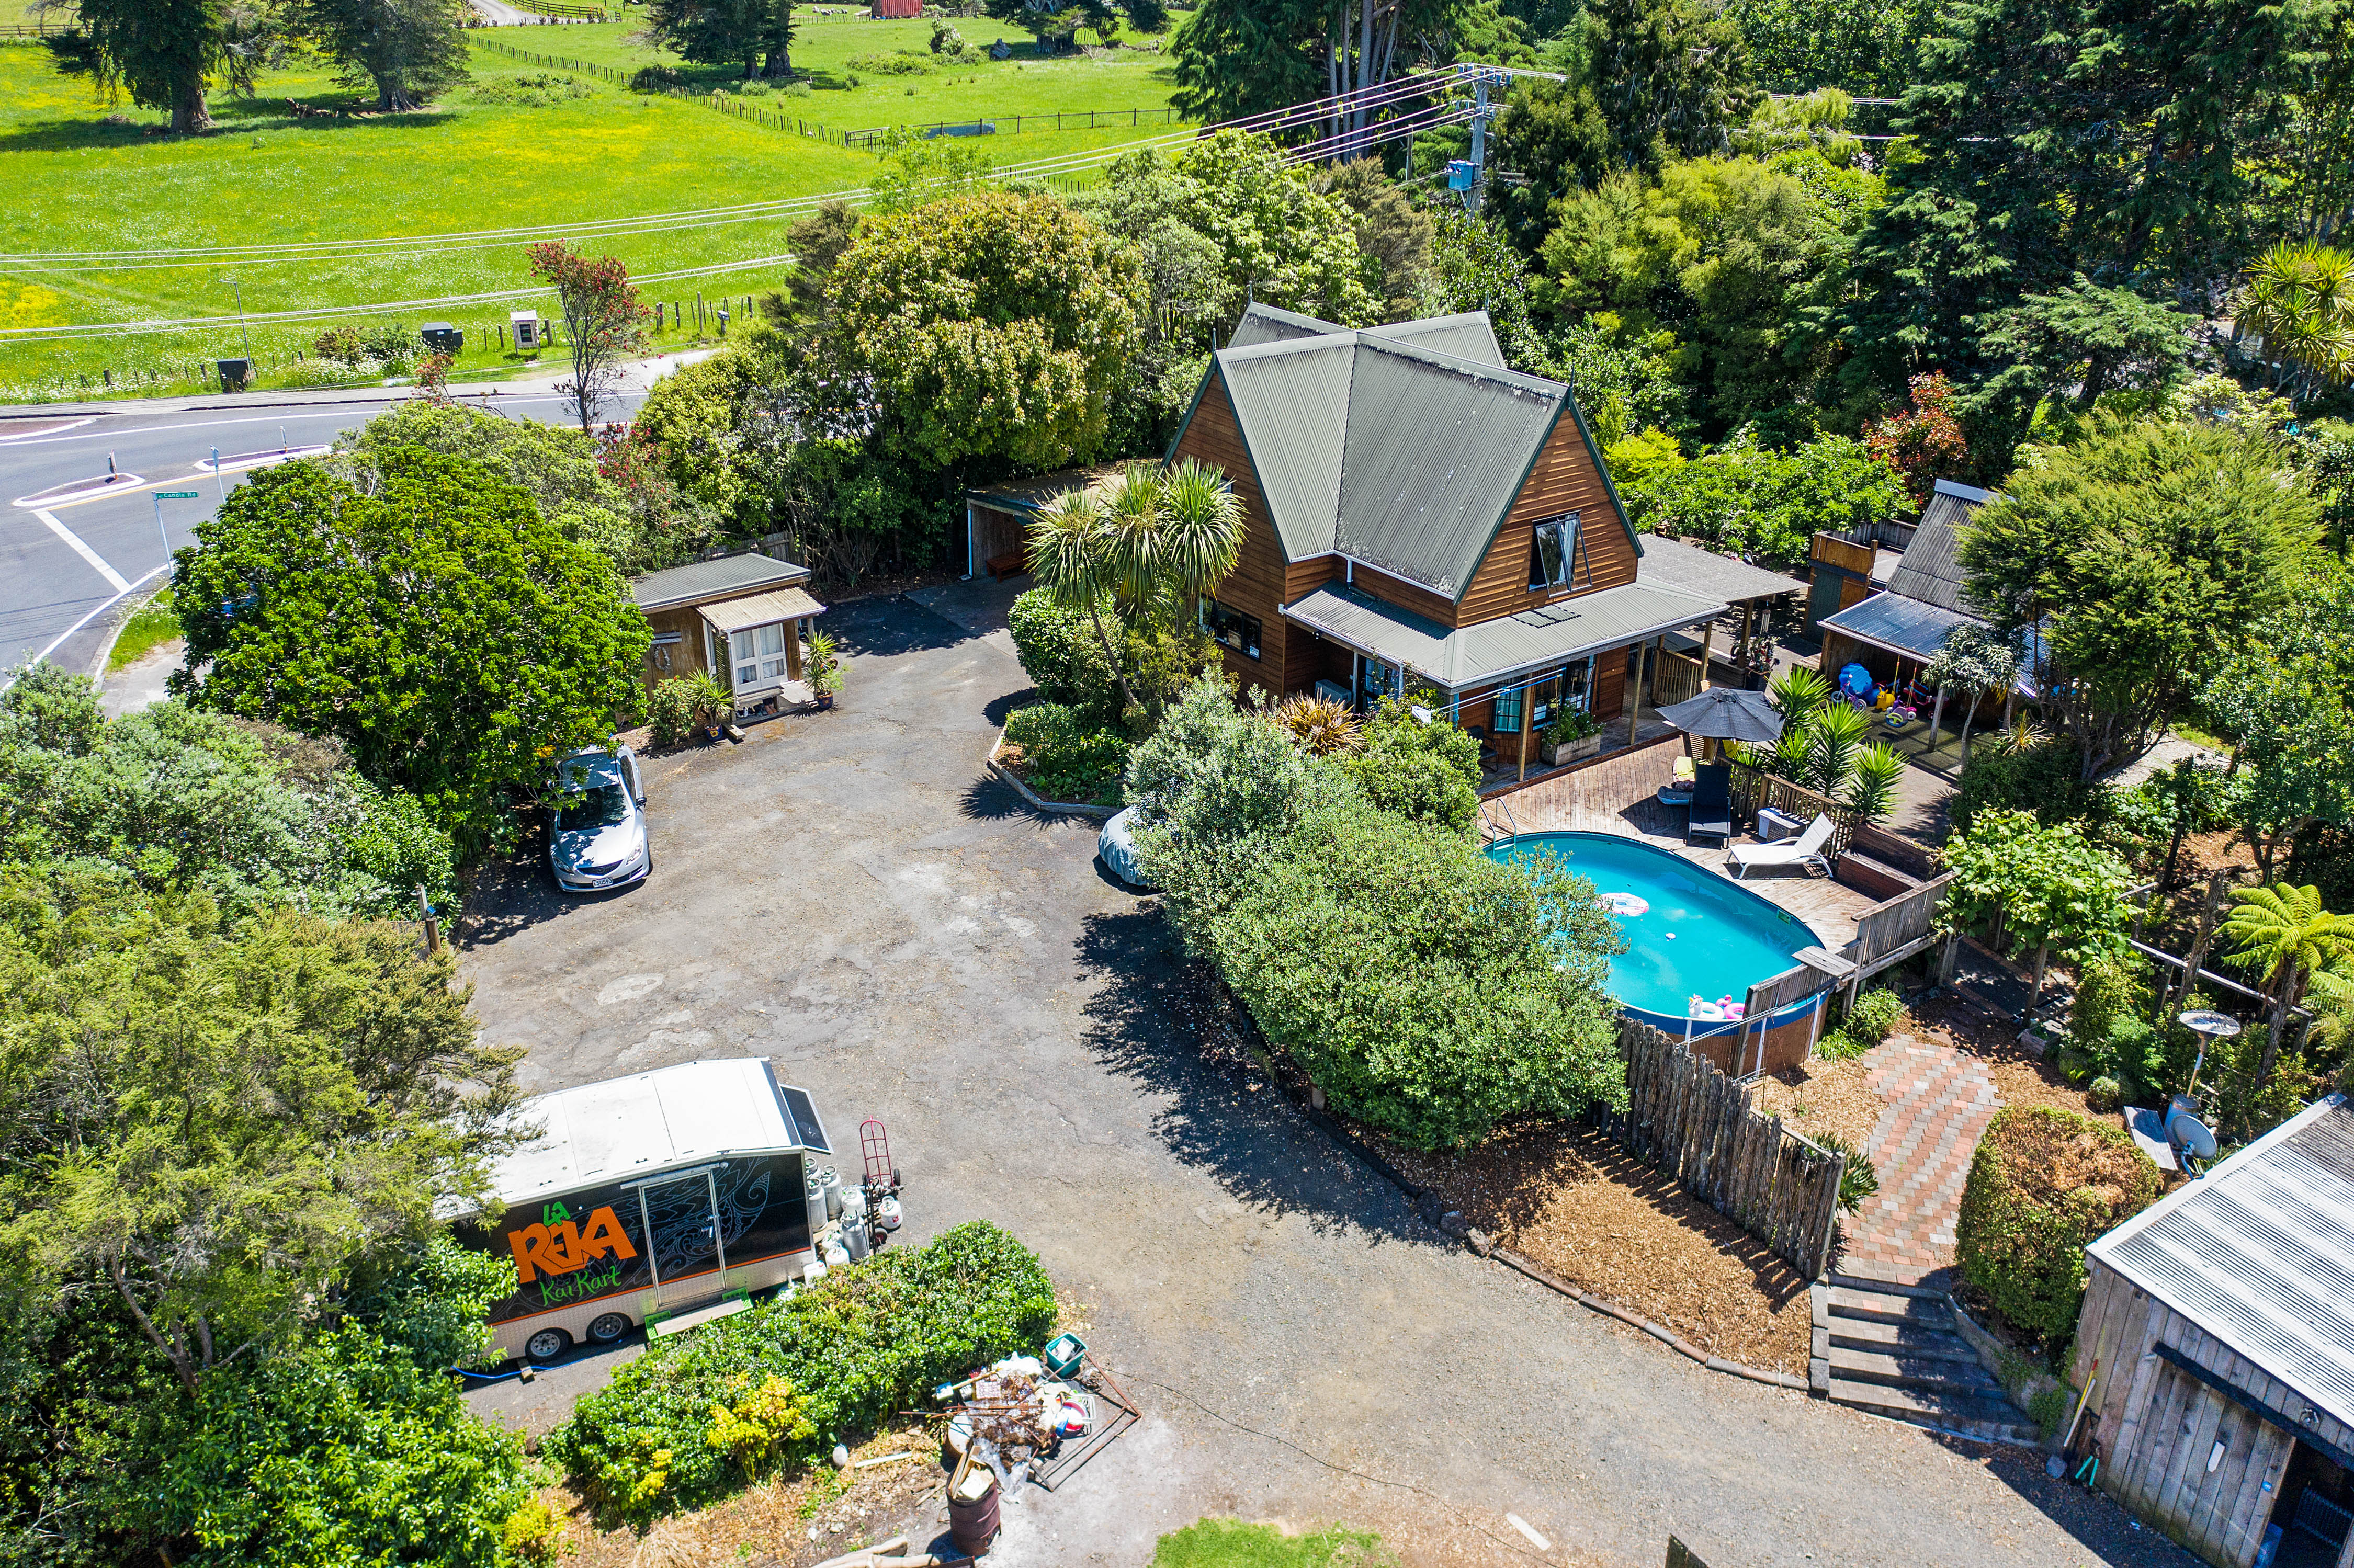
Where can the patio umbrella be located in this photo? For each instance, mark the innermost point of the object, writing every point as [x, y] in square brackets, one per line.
[1726, 713]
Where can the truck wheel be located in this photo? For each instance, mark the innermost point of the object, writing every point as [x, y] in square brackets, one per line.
[607, 1328]
[547, 1344]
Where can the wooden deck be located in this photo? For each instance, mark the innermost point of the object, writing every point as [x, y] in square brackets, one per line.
[1621, 795]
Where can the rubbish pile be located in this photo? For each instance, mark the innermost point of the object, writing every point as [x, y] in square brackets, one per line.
[1027, 1418]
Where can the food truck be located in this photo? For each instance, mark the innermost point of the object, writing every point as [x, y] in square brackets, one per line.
[662, 1199]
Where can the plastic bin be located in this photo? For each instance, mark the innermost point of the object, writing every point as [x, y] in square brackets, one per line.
[1064, 1354]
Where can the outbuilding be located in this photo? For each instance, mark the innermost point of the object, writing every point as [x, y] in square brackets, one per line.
[2220, 1323]
[741, 617]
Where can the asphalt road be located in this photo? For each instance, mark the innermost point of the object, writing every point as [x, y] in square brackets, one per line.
[850, 896]
[67, 565]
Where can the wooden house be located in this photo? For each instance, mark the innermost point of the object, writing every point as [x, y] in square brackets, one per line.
[1895, 631]
[2220, 1323]
[742, 618]
[1424, 523]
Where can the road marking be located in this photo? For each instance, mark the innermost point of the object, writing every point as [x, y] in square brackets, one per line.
[59, 429]
[57, 642]
[303, 411]
[1539, 1542]
[113, 578]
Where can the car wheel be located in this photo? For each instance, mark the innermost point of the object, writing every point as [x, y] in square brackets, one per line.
[607, 1328]
[547, 1344]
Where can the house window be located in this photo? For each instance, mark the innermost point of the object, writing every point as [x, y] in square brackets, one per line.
[1231, 628]
[1379, 680]
[1553, 558]
[758, 655]
[1507, 710]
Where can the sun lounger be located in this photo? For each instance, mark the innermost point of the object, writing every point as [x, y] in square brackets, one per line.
[1711, 803]
[1805, 850]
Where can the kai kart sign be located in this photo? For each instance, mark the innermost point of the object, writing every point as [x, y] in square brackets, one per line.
[554, 1246]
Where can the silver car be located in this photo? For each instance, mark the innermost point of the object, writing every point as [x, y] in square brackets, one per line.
[597, 833]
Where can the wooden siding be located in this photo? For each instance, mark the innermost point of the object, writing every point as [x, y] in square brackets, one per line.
[1564, 479]
[684, 657]
[2158, 1425]
[1257, 584]
[1301, 578]
[992, 532]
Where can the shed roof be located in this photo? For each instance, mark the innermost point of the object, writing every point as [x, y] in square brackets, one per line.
[623, 1128]
[1391, 452]
[1901, 625]
[1677, 564]
[785, 604]
[1459, 658]
[2259, 1254]
[1930, 570]
[1030, 494]
[719, 578]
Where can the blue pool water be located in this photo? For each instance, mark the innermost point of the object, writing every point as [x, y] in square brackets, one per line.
[1701, 935]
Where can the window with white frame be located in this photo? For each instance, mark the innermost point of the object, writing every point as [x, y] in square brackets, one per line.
[1553, 555]
[757, 656]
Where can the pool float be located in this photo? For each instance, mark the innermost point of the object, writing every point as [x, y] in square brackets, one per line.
[1625, 903]
[1707, 1011]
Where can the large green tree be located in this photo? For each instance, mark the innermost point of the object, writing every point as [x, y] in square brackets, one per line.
[2286, 698]
[449, 636]
[164, 53]
[219, 1127]
[990, 325]
[409, 51]
[1237, 57]
[718, 32]
[1800, 44]
[2140, 556]
[1671, 79]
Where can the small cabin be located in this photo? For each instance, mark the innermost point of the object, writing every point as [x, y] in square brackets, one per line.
[2218, 1326]
[742, 618]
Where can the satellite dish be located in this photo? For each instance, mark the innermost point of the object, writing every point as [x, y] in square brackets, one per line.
[2214, 1026]
[2192, 1142]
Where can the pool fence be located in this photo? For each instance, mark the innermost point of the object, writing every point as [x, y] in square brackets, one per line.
[1687, 1116]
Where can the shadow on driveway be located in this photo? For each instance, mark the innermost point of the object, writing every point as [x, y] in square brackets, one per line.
[1166, 1023]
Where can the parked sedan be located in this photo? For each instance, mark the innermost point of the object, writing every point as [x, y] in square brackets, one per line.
[597, 835]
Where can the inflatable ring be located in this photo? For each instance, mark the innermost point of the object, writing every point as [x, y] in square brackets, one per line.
[1625, 903]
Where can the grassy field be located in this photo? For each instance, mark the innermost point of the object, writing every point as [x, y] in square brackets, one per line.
[84, 175]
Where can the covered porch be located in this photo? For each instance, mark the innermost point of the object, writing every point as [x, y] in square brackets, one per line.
[1896, 638]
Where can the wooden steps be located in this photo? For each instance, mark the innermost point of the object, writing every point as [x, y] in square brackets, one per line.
[1892, 1350]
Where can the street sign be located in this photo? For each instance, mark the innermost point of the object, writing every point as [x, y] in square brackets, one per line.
[178, 495]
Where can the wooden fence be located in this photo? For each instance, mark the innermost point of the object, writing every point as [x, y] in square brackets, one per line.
[1685, 1118]
[1890, 932]
[1753, 786]
[1675, 677]
[1072, 120]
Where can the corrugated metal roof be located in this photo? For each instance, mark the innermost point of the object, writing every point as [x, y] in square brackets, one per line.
[1931, 570]
[2261, 1254]
[1899, 624]
[1465, 337]
[1467, 656]
[1398, 454]
[1030, 494]
[1265, 324]
[736, 614]
[712, 580]
[1680, 564]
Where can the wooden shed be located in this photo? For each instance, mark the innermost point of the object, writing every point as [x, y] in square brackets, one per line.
[2221, 1319]
[742, 618]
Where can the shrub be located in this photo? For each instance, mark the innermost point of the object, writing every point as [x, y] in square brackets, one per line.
[2042, 781]
[1838, 1045]
[535, 1535]
[656, 78]
[341, 344]
[1873, 1017]
[1857, 1179]
[1040, 728]
[2044, 1184]
[899, 62]
[1429, 772]
[1062, 758]
[1062, 654]
[681, 703]
[695, 1419]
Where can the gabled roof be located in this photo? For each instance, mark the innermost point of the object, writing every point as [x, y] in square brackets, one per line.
[1931, 570]
[2259, 1254]
[1377, 446]
[705, 580]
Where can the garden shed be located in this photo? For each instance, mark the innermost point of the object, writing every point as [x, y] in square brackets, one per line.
[741, 617]
[2221, 1323]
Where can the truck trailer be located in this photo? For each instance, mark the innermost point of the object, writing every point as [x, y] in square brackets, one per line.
[661, 1199]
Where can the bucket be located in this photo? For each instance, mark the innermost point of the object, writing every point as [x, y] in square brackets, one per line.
[1064, 1354]
[973, 1525]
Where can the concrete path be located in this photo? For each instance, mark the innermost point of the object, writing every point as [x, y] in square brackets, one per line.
[1939, 1101]
[140, 684]
[850, 896]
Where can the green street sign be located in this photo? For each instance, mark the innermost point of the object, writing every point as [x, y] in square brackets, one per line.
[178, 495]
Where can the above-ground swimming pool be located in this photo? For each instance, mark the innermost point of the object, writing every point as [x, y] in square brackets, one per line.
[1690, 932]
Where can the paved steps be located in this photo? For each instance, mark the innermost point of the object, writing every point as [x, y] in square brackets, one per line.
[1891, 1348]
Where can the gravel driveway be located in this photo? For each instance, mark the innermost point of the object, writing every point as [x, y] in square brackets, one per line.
[847, 893]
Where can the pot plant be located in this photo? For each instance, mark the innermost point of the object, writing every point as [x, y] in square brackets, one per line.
[825, 665]
[1572, 734]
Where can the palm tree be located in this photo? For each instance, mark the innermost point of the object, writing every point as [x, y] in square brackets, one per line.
[1871, 792]
[1070, 552]
[1835, 734]
[2284, 933]
[2299, 302]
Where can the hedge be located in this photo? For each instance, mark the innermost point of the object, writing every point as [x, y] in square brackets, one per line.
[697, 1418]
[2044, 1184]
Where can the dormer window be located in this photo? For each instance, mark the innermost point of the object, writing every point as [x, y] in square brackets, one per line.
[1553, 555]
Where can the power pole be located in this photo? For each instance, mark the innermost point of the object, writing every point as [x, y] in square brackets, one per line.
[1482, 111]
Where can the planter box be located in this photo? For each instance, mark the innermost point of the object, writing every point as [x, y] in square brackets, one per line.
[1571, 750]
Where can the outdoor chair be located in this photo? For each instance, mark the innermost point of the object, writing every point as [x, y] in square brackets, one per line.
[1711, 804]
[1805, 850]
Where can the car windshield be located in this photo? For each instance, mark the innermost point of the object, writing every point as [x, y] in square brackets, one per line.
[599, 806]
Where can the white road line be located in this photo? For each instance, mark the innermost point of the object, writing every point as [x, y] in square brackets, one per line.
[85, 620]
[113, 578]
[1539, 1542]
[51, 429]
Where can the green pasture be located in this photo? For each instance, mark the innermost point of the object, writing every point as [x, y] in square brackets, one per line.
[80, 173]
